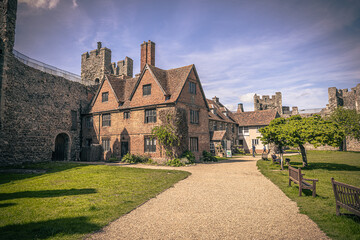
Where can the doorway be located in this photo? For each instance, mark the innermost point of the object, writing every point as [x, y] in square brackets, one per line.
[124, 148]
[61, 147]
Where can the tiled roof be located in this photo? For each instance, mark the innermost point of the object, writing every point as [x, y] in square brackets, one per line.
[255, 118]
[171, 82]
[218, 135]
[219, 116]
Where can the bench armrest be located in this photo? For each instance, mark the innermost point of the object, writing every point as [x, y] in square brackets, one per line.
[308, 179]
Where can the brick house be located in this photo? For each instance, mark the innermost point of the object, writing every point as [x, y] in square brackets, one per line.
[222, 127]
[125, 109]
[249, 125]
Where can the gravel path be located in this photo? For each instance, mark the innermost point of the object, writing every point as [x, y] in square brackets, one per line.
[226, 200]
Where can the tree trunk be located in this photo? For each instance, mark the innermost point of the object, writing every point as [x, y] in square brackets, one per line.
[281, 158]
[303, 155]
[344, 145]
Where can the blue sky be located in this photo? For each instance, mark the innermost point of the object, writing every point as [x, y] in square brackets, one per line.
[239, 48]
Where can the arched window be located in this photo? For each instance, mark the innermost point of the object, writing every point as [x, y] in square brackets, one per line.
[97, 81]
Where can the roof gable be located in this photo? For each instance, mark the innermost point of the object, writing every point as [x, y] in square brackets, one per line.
[256, 118]
[158, 74]
[97, 104]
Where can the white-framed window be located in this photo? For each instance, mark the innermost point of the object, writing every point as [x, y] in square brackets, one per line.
[244, 130]
[255, 142]
[150, 115]
[106, 144]
[150, 144]
[257, 129]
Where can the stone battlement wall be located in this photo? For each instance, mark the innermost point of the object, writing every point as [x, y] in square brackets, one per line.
[344, 98]
[97, 63]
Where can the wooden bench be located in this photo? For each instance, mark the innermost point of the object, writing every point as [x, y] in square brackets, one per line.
[264, 156]
[346, 196]
[296, 176]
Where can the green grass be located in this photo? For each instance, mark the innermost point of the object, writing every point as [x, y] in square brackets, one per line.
[71, 200]
[344, 167]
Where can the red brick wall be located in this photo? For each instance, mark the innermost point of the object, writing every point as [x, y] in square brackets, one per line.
[134, 130]
[156, 97]
[111, 104]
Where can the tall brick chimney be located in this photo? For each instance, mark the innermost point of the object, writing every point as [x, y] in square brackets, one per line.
[147, 54]
[240, 108]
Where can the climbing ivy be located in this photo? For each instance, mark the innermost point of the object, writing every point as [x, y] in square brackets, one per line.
[172, 133]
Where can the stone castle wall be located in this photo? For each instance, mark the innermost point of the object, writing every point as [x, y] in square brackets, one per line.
[97, 63]
[344, 98]
[39, 106]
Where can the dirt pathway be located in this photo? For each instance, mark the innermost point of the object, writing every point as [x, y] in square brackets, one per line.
[226, 200]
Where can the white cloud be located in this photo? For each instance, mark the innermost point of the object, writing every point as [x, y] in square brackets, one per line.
[75, 4]
[247, 98]
[49, 4]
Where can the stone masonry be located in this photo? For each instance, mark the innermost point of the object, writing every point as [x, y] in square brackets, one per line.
[274, 102]
[97, 63]
[344, 98]
[36, 107]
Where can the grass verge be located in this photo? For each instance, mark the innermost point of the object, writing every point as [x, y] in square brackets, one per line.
[344, 167]
[71, 200]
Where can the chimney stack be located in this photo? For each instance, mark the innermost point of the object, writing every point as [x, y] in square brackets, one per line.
[147, 54]
[216, 99]
[98, 46]
[240, 108]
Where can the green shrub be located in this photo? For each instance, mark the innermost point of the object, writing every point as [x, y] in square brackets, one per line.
[208, 157]
[131, 158]
[189, 156]
[112, 159]
[175, 162]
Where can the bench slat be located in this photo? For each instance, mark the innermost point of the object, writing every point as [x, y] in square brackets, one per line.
[346, 196]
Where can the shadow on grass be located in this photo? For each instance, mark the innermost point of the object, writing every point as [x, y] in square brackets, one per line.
[327, 166]
[46, 229]
[46, 193]
[49, 167]
[2, 205]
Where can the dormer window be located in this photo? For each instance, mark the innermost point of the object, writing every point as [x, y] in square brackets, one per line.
[105, 97]
[192, 88]
[147, 89]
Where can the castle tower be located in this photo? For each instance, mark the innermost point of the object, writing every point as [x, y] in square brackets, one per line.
[266, 102]
[95, 65]
[125, 67]
[147, 54]
[7, 39]
[7, 25]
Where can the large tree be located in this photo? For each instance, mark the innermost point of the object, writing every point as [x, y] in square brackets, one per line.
[348, 121]
[297, 131]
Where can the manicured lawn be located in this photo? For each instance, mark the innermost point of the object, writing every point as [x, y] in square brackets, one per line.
[71, 200]
[344, 167]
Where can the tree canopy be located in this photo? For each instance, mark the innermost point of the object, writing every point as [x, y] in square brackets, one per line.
[348, 121]
[296, 131]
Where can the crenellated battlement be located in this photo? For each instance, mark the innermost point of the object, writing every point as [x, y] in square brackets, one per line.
[344, 98]
[96, 63]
